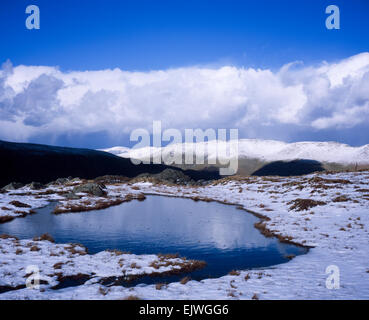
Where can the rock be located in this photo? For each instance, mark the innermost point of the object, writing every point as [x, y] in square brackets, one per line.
[71, 196]
[168, 175]
[110, 179]
[91, 188]
[13, 186]
[144, 175]
[173, 176]
[35, 185]
[61, 181]
[200, 182]
[102, 185]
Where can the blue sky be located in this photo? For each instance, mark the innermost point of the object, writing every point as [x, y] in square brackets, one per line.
[157, 34]
[174, 42]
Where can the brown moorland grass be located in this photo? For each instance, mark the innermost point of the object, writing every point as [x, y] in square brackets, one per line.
[44, 236]
[261, 226]
[159, 286]
[324, 180]
[82, 207]
[72, 249]
[45, 193]
[183, 266]
[163, 256]
[255, 297]
[134, 265]
[4, 219]
[141, 197]
[341, 198]
[116, 252]
[19, 204]
[58, 265]
[6, 236]
[234, 273]
[185, 280]
[304, 204]
[103, 291]
[88, 205]
[131, 297]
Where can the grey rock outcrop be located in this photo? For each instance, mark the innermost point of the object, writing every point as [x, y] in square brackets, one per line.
[169, 175]
[13, 186]
[91, 188]
[35, 185]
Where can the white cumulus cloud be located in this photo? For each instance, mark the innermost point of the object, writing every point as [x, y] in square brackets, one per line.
[39, 100]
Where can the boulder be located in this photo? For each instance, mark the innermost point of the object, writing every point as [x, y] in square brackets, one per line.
[173, 176]
[35, 185]
[61, 181]
[169, 175]
[110, 179]
[71, 196]
[13, 186]
[90, 188]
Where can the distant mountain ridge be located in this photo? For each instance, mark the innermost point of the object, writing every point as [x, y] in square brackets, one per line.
[255, 154]
[269, 150]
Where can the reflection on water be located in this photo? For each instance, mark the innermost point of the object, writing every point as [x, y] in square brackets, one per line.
[222, 235]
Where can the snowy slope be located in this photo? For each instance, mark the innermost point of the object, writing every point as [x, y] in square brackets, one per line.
[266, 150]
[118, 151]
[336, 225]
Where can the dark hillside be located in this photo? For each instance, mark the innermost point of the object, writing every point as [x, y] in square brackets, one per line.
[289, 168]
[24, 162]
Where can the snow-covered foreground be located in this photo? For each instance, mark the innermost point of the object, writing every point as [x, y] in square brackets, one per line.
[57, 263]
[329, 212]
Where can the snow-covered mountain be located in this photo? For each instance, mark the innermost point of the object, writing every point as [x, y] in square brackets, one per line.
[119, 151]
[263, 150]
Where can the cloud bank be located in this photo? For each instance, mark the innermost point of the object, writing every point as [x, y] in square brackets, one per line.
[44, 101]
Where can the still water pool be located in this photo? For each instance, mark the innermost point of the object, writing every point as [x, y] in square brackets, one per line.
[221, 235]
